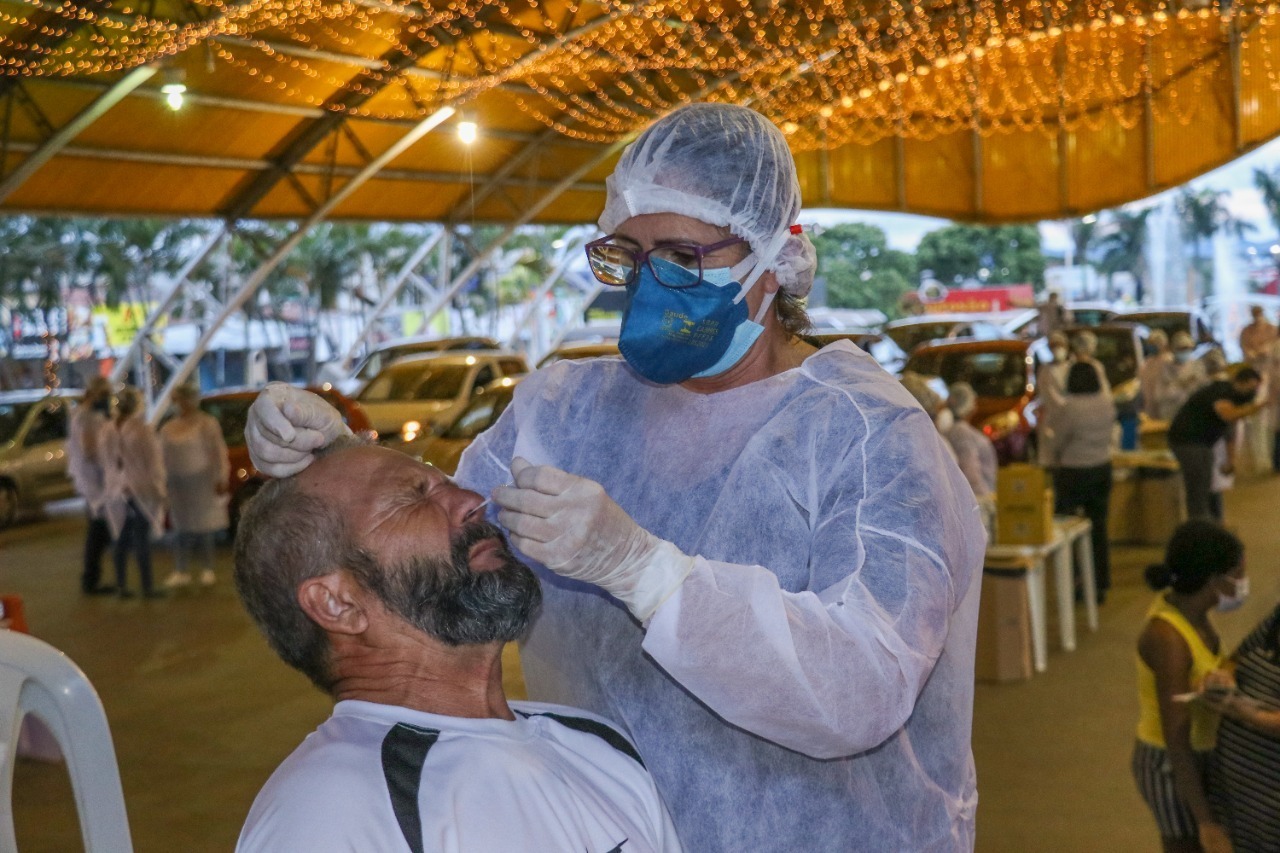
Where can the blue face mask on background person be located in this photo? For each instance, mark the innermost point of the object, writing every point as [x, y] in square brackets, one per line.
[673, 334]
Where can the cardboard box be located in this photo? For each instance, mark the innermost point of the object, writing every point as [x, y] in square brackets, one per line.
[1124, 512]
[1163, 503]
[1021, 486]
[1025, 525]
[1004, 628]
[1147, 505]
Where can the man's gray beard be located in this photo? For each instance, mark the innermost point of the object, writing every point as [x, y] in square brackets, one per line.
[447, 600]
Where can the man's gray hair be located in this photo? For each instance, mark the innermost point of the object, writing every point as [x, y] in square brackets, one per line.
[283, 539]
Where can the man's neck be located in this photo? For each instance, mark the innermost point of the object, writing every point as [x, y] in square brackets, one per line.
[406, 668]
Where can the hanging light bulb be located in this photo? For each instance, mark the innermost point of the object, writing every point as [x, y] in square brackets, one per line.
[467, 131]
[174, 87]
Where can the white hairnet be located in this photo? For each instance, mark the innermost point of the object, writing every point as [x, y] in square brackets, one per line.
[917, 386]
[961, 398]
[724, 165]
[1085, 343]
[1215, 362]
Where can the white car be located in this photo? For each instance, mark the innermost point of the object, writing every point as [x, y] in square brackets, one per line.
[420, 394]
[33, 450]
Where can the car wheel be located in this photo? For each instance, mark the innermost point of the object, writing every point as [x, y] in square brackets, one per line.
[8, 504]
[238, 501]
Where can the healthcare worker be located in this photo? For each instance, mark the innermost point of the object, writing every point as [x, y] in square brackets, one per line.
[759, 558]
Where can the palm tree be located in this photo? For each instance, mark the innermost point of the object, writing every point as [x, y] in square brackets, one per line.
[1204, 213]
[1124, 248]
[130, 253]
[1268, 183]
[1084, 233]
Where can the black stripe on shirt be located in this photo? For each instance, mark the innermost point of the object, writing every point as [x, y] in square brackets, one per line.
[594, 727]
[404, 751]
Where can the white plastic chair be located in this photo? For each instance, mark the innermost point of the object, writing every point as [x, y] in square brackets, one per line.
[37, 679]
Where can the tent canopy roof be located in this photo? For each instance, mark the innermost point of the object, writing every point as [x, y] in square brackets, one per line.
[960, 108]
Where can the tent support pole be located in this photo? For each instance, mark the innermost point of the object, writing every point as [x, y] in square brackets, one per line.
[259, 275]
[393, 290]
[69, 131]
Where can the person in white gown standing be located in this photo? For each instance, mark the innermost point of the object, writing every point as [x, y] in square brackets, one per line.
[135, 494]
[195, 457]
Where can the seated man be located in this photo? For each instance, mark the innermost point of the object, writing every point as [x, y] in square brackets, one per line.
[374, 575]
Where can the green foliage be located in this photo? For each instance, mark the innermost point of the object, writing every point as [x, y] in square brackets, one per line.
[1010, 254]
[860, 269]
[1204, 213]
[1268, 183]
[110, 257]
[1124, 247]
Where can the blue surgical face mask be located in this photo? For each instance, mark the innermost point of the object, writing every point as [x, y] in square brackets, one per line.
[673, 334]
[1227, 603]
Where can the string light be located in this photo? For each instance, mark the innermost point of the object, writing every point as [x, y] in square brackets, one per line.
[830, 72]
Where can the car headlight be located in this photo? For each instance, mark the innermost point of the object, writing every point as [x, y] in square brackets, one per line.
[1000, 425]
[410, 431]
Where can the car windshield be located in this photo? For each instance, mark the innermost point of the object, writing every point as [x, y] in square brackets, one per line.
[477, 417]
[1090, 316]
[11, 417]
[408, 382]
[379, 359]
[231, 413]
[913, 334]
[992, 374]
[1117, 354]
[1167, 323]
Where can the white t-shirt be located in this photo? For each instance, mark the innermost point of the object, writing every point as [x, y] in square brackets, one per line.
[384, 779]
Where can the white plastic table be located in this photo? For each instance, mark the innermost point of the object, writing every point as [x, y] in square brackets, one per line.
[1069, 546]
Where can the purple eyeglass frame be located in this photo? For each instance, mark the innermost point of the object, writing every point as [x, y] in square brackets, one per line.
[638, 258]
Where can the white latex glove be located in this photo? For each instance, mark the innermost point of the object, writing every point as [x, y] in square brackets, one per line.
[572, 527]
[286, 425]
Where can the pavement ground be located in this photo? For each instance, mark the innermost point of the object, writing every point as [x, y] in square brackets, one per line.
[201, 711]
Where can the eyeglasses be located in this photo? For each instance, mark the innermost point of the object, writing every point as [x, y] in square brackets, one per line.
[617, 266]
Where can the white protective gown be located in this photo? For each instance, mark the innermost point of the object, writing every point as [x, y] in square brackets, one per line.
[195, 458]
[810, 685]
[84, 462]
[134, 469]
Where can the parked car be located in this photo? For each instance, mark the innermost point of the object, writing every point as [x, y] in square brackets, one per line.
[422, 393]
[231, 409]
[1002, 372]
[911, 332]
[33, 450]
[1090, 313]
[569, 352]
[1026, 323]
[599, 330]
[444, 448]
[384, 354]
[1172, 321]
[883, 349]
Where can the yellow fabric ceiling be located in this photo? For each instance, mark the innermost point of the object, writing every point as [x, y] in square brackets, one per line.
[976, 110]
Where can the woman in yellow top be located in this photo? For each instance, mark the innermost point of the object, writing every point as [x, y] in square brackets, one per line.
[1203, 570]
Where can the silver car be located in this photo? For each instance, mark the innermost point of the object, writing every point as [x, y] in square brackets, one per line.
[423, 393]
[33, 450]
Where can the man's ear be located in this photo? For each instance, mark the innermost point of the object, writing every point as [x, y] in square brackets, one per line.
[334, 602]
